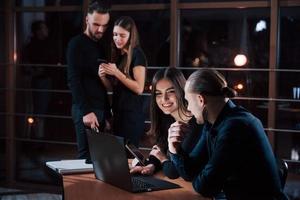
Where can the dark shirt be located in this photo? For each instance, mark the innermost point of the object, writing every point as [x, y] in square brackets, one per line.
[87, 89]
[125, 99]
[188, 144]
[233, 155]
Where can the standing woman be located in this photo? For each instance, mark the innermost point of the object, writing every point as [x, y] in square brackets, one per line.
[127, 79]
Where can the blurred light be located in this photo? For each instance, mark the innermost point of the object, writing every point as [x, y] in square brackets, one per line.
[196, 62]
[261, 25]
[240, 60]
[15, 56]
[150, 87]
[30, 120]
[239, 86]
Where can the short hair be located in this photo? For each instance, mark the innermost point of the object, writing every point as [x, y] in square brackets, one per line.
[209, 82]
[99, 6]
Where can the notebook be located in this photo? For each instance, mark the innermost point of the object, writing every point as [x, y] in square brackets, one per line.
[70, 166]
[111, 165]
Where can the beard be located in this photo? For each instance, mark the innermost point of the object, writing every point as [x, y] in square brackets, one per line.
[95, 36]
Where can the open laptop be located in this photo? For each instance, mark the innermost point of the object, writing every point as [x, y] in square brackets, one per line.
[111, 165]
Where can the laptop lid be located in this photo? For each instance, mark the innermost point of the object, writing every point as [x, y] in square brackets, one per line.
[109, 159]
[111, 165]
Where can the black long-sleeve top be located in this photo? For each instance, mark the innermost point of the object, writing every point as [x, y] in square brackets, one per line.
[233, 155]
[188, 144]
[87, 89]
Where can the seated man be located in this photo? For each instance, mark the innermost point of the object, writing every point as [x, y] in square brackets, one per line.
[233, 153]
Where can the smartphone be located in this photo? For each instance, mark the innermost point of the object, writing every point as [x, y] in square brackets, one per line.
[99, 60]
[136, 153]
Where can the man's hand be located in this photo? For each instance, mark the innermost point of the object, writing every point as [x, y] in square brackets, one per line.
[147, 170]
[156, 151]
[176, 134]
[90, 120]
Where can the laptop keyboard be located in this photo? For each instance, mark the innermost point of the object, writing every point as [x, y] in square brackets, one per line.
[140, 184]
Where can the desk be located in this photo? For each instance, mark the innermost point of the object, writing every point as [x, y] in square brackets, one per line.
[85, 186]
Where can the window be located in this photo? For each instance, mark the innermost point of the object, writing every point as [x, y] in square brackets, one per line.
[40, 3]
[287, 112]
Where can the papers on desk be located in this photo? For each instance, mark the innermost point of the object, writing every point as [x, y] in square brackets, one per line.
[70, 166]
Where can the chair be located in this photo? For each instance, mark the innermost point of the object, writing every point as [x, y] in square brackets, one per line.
[283, 171]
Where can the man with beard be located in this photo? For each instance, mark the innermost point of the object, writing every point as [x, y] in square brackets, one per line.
[89, 96]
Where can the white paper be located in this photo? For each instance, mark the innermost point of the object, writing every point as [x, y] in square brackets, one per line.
[70, 166]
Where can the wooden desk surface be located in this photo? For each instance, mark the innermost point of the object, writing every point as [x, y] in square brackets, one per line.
[86, 186]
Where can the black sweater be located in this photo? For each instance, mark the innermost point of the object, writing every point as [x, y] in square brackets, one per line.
[188, 144]
[87, 89]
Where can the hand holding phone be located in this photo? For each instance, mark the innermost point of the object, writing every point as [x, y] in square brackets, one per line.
[100, 60]
[136, 153]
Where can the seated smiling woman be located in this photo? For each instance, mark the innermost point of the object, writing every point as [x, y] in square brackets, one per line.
[167, 106]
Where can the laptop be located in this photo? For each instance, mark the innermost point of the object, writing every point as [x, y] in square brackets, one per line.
[111, 165]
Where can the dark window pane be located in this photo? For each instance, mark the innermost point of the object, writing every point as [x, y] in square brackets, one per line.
[2, 159]
[212, 37]
[2, 112]
[289, 38]
[50, 43]
[40, 76]
[289, 85]
[45, 128]
[2, 124]
[43, 102]
[40, 3]
[31, 158]
[154, 33]
[196, 1]
[2, 39]
[139, 1]
[288, 146]
[2, 79]
[287, 116]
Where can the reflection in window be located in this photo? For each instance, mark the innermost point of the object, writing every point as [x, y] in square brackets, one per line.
[139, 1]
[215, 37]
[40, 3]
[61, 27]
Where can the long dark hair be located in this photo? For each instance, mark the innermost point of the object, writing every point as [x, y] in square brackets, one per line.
[209, 82]
[160, 122]
[128, 24]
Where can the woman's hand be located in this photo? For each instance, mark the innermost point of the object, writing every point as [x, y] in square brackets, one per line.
[146, 170]
[101, 72]
[156, 151]
[109, 68]
[176, 134]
